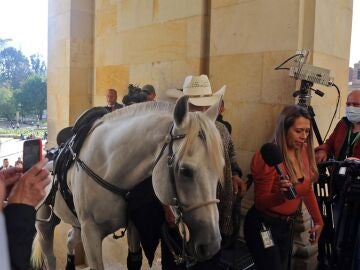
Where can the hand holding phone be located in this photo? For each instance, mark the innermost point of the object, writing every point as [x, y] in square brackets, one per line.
[30, 188]
[32, 153]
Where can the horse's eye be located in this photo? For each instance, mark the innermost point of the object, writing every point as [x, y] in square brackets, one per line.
[187, 172]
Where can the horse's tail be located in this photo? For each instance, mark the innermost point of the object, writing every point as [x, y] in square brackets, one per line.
[36, 254]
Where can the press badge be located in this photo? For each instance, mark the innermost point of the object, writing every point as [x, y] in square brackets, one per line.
[342, 171]
[266, 236]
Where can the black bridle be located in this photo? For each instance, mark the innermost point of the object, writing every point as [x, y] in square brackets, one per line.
[179, 208]
[169, 141]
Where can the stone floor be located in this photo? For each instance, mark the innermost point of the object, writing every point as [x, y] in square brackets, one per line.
[114, 252]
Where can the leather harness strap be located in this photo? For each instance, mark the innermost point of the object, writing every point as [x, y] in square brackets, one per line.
[105, 184]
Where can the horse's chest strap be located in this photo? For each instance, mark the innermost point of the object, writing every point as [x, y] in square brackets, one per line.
[119, 191]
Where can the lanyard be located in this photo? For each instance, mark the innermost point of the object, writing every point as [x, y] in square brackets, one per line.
[349, 143]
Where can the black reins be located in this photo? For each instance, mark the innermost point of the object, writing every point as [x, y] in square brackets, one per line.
[169, 139]
[105, 184]
[183, 255]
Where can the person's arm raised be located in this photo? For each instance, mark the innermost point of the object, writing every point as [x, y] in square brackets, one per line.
[7, 179]
[30, 188]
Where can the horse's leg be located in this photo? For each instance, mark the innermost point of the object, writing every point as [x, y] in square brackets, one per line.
[74, 237]
[134, 259]
[45, 235]
[92, 241]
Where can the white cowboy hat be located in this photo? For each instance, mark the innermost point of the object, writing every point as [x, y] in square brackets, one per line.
[199, 91]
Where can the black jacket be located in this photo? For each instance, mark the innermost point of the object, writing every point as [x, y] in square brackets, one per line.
[20, 227]
[116, 106]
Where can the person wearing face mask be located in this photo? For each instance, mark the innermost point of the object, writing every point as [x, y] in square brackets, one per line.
[344, 142]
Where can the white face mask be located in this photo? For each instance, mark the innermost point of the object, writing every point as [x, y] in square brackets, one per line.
[353, 114]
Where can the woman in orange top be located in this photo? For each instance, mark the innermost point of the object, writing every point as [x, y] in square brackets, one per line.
[268, 224]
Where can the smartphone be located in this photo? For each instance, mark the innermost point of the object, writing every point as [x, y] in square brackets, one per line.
[32, 153]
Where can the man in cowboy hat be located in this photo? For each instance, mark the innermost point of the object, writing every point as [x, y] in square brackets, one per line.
[201, 97]
[198, 89]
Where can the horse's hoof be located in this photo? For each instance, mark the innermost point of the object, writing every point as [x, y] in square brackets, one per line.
[70, 262]
[134, 260]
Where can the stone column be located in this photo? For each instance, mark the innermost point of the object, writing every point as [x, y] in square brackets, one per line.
[70, 65]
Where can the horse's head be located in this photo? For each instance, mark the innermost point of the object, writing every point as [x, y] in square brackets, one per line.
[187, 175]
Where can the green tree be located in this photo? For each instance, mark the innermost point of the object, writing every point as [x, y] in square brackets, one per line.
[7, 104]
[38, 65]
[14, 67]
[32, 96]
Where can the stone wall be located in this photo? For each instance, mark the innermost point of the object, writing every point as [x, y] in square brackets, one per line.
[140, 42]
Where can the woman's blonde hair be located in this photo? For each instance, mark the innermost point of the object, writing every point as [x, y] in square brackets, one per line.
[286, 119]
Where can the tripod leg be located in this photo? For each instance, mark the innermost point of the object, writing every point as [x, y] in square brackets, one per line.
[340, 216]
[315, 126]
[356, 259]
[348, 236]
[356, 249]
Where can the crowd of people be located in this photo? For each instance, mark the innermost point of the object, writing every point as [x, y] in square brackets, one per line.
[6, 165]
[269, 223]
[268, 227]
[134, 95]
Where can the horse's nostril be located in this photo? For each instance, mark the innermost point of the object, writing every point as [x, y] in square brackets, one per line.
[202, 251]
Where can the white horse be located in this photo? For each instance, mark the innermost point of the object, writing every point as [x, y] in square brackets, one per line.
[182, 150]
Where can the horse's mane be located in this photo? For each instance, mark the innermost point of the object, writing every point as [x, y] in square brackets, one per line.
[140, 108]
[201, 125]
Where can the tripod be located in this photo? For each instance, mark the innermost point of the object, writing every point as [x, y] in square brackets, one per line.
[346, 254]
[304, 95]
[321, 188]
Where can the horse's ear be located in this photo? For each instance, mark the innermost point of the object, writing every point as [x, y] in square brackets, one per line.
[213, 111]
[181, 112]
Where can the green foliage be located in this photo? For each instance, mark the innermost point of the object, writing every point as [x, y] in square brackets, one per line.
[23, 84]
[32, 96]
[14, 67]
[7, 108]
[38, 66]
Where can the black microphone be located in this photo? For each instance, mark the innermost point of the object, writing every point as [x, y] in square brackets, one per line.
[272, 156]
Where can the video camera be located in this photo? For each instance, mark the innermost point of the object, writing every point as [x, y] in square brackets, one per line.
[346, 178]
[346, 167]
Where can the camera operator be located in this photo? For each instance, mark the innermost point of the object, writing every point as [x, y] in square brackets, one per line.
[344, 142]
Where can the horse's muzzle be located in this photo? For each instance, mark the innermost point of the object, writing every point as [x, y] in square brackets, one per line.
[207, 251]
